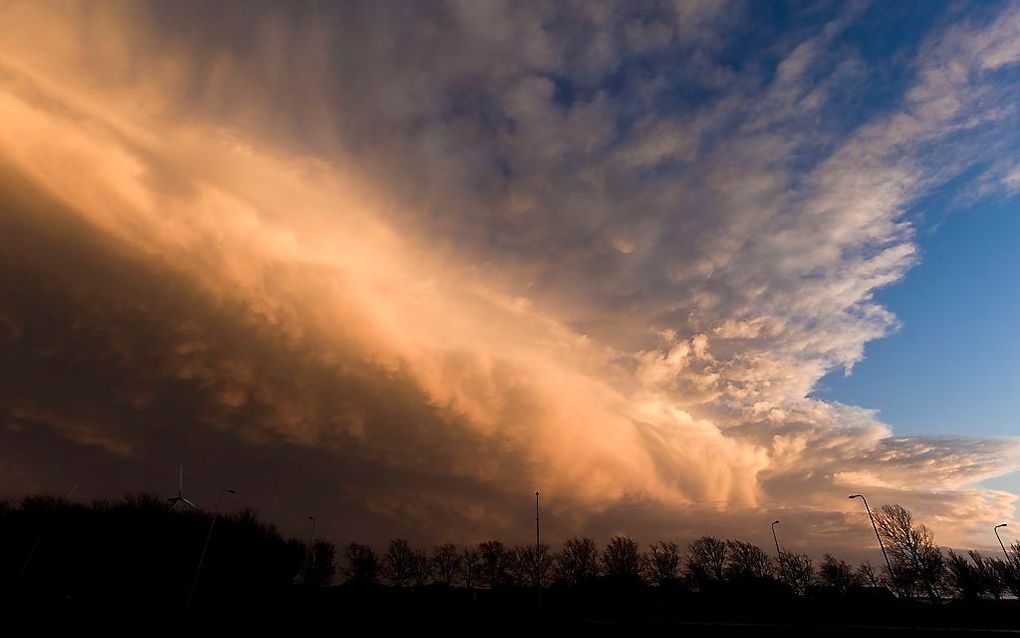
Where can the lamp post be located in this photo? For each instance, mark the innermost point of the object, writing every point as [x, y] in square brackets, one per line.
[538, 551]
[996, 530]
[779, 552]
[205, 548]
[309, 551]
[888, 565]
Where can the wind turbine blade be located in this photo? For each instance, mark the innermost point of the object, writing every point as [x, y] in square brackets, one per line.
[190, 503]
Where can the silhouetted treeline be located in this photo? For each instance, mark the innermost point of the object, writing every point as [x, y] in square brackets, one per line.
[920, 569]
[140, 553]
[143, 555]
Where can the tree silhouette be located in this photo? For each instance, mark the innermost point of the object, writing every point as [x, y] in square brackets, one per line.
[532, 564]
[520, 571]
[399, 563]
[446, 564]
[796, 571]
[543, 560]
[866, 574]
[321, 565]
[918, 564]
[362, 564]
[836, 573]
[663, 563]
[496, 563]
[1009, 570]
[578, 561]
[963, 577]
[746, 561]
[621, 560]
[471, 567]
[989, 574]
[421, 567]
[706, 561]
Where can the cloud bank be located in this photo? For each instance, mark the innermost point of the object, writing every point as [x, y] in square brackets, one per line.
[401, 265]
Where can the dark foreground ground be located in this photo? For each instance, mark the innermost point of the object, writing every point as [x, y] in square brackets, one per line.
[433, 610]
[525, 627]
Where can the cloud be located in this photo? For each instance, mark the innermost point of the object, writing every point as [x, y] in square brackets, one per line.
[452, 252]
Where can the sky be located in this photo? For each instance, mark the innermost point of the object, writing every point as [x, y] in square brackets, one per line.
[685, 267]
[957, 311]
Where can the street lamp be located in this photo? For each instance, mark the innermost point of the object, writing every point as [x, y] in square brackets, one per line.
[888, 565]
[779, 553]
[996, 530]
[205, 548]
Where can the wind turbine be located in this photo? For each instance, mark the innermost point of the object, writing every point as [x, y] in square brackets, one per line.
[174, 500]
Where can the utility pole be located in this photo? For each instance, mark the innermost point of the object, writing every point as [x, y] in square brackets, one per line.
[538, 551]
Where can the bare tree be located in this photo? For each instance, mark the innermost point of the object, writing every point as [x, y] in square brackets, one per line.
[578, 561]
[320, 567]
[362, 564]
[496, 563]
[918, 564]
[518, 570]
[796, 571]
[446, 564]
[706, 560]
[746, 560]
[621, 559]
[836, 573]
[399, 563]
[471, 567]
[534, 564]
[663, 562]
[421, 567]
[866, 574]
